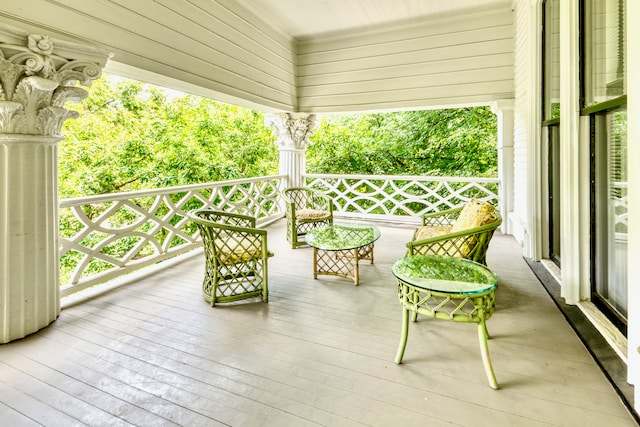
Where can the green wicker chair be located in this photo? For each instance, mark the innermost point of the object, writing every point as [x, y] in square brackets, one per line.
[236, 256]
[463, 232]
[306, 209]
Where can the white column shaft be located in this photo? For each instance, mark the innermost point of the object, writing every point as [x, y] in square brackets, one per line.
[504, 112]
[29, 265]
[293, 164]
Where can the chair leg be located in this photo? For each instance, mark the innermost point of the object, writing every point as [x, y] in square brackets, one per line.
[265, 281]
[486, 360]
[403, 336]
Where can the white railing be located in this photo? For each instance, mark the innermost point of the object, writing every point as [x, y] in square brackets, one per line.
[401, 198]
[103, 237]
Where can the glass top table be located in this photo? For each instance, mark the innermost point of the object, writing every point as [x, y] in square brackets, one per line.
[445, 288]
[444, 274]
[338, 248]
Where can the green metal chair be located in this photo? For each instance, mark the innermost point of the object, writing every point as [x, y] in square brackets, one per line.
[306, 209]
[236, 256]
[463, 232]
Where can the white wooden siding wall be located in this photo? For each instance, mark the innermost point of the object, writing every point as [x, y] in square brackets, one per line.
[460, 60]
[522, 115]
[214, 44]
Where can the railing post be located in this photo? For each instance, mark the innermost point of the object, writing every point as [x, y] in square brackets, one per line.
[37, 77]
[503, 109]
[293, 131]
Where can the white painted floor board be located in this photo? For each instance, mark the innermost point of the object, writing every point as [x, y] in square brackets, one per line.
[320, 353]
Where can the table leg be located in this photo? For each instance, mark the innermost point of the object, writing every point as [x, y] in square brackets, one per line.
[315, 263]
[415, 297]
[403, 336]
[366, 252]
[356, 272]
[484, 349]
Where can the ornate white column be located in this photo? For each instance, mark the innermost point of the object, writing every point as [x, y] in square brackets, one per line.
[37, 77]
[293, 131]
[503, 109]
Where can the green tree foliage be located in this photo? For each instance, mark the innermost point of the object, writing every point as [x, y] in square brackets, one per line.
[131, 136]
[451, 142]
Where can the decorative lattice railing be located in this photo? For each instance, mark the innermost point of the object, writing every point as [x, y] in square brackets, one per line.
[103, 237]
[401, 198]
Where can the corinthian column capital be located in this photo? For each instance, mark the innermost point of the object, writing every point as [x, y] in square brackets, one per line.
[38, 75]
[292, 129]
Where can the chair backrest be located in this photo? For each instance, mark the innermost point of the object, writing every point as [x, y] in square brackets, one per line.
[226, 235]
[469, 230]
[224, 218]
[307, 198]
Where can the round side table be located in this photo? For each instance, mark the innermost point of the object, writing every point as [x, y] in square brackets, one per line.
[453, 289]
[339, 247]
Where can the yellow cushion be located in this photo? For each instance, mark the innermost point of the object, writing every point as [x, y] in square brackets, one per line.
[309, 214]
[239, 255]
[475, 214]
[429, 231]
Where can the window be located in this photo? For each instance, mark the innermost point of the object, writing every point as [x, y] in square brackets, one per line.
[604, 101]
[604, 51]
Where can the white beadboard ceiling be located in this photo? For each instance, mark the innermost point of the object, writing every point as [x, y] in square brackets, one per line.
[302, 19]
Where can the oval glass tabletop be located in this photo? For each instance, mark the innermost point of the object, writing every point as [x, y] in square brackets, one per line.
[445, 274]
[342, 236]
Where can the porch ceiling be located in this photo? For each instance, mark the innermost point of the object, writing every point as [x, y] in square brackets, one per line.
[305, 19]
[317, 56]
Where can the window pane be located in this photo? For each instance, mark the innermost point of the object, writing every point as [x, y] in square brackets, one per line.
[554, 193]
[611, 211]
[605, 48]
[551, 59]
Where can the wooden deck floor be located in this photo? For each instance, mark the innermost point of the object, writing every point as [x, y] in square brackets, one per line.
[319, 353]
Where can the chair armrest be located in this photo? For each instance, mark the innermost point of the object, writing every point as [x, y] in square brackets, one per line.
[457, 234]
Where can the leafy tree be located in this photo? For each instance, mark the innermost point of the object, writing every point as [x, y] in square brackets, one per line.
[451, 142]
[131, 136]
